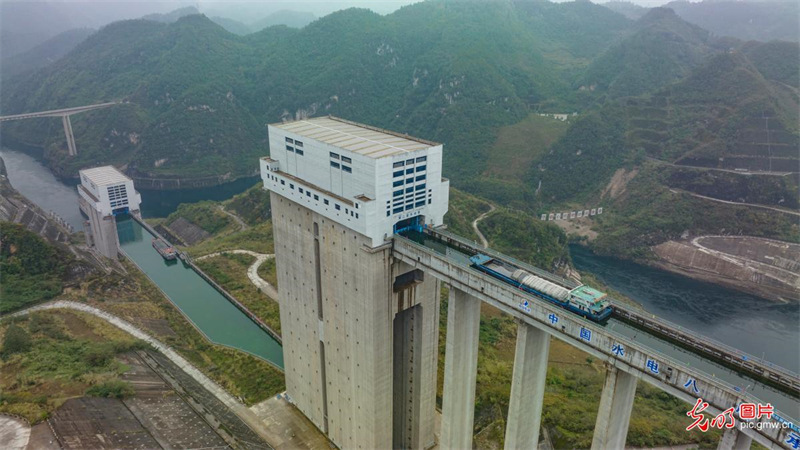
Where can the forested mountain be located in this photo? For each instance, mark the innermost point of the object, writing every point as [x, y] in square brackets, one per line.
[200, 96]
[746, 20]
[662, 48]
[43, 54]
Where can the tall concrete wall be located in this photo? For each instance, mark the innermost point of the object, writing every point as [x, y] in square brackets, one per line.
[338, 324]
[103, 231]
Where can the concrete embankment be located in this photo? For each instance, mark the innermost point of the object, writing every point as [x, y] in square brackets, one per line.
[763, 267]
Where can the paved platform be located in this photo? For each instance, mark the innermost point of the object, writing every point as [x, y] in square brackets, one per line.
[287, 427]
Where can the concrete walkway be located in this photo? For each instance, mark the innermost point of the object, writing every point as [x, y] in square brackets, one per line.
[238, 408]
[14, 433]
[484, 243]
[252, 271]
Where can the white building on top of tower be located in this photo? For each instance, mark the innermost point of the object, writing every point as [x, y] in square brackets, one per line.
[373, 181]
[108, 191]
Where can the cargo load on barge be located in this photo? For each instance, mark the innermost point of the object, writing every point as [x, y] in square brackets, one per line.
[166, 251]
[583, 300]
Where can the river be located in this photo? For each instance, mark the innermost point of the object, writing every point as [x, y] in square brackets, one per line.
[757, 326]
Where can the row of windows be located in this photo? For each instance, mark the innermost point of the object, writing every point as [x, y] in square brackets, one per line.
[336, 165]
[399, 192]
[408, 207]
[309, 194]
[410, 161]
[400, 173]
[294, 150]
[343, 158]
[292, 141]
[408, 181]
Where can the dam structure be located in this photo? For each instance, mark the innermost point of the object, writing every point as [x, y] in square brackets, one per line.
[104, 193]
[361, 255]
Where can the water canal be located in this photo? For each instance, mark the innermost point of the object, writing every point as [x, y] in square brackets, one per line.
[203, 305]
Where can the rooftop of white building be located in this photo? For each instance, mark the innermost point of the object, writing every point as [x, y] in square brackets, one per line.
[355, 137]
[105, 175]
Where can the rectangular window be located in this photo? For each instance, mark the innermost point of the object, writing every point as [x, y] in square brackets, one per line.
[410, 161]
[419, 204]
[346, 159]
[299, 152]
[420, 187]
[308, 193]
[283, 182]
[397, 210]
[422, 159]
[291, 185]
[326, 201]
[429, 201]
[398, 164]
[410, 189]
[397, 193]
[399, 173]
[388, 213]
[409, 180]
[301, 190]
[290, 140]
[421, 178]
[421, 168]
[356, 205]
[411, 170]
[298, 143]
[335, 165]
[316, 197]
[409, 206]
[347, 169]
[290, 148]
[334, 155]
[356, 215]
[338, 207]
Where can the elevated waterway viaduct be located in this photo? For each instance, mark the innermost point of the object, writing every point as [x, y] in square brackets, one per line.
[627, 361]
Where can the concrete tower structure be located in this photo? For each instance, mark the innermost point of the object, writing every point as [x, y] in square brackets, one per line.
[105, 192]
[359, 328]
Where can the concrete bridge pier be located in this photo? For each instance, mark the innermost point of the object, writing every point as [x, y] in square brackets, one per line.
[614, 414]
[460, 369]
[527, 387]
[734, 439]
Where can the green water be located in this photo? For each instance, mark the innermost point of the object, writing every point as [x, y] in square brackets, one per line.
[212, 313]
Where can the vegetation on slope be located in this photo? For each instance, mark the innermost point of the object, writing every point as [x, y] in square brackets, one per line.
[68, 353]
[32, 270]
[206, 215]
[663, 48]
[252, 205]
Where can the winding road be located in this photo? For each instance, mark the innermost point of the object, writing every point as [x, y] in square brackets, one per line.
[252, 271]
[484, 242]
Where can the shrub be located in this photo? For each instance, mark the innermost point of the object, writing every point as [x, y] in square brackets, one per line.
[111, 389]
[16, 340]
